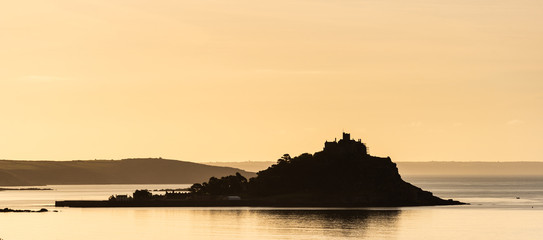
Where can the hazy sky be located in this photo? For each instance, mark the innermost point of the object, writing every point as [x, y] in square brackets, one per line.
[201, 80]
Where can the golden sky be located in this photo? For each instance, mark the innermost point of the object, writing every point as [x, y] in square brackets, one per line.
[203, 80]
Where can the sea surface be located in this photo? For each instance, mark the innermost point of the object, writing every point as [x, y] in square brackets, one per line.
[500, 208]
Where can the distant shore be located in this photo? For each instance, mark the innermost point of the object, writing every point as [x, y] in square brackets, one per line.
[25, 189]
[126, 171]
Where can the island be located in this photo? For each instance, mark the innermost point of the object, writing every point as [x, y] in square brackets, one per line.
[343, 174]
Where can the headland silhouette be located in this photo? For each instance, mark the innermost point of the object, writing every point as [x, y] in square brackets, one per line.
[126, 171]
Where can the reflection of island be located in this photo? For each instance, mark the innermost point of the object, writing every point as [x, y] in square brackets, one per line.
[342, 175]
[331, 223]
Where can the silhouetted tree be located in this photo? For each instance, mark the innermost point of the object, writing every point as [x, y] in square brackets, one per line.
[196, 188]
[229, 185]
[284, 159]
[142, 195]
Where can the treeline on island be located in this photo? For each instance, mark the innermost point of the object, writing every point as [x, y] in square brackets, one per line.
[214, 189]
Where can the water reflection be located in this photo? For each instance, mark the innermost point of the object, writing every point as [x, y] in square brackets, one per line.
[303, 223]
[465, 222]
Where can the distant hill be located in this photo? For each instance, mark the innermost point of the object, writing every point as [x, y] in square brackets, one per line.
[126, 171]
[431, 168]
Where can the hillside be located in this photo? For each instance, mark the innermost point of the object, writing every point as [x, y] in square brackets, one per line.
[127, 171]
[251, 166]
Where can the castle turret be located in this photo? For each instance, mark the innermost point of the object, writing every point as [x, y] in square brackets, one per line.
[346, 146]
[346, 136]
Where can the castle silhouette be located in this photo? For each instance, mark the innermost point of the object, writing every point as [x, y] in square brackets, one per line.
[346, 145]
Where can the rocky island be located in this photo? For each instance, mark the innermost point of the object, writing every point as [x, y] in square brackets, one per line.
[343, 174]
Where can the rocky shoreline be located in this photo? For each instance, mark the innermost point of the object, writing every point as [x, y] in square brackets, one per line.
[6, 210]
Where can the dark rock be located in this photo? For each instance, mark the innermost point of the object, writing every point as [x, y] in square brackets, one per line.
[5, 210]
[342, 174]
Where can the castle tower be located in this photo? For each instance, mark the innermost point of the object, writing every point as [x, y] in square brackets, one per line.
[346, 136]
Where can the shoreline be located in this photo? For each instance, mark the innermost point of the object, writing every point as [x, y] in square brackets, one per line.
[228, 203]
[25, 189]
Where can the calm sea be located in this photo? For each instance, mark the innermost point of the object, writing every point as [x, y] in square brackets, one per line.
[501, 208]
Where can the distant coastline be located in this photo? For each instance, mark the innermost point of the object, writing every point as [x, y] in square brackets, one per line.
[163, 171]
[126, 171]
[434, 168]
[25, 189]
